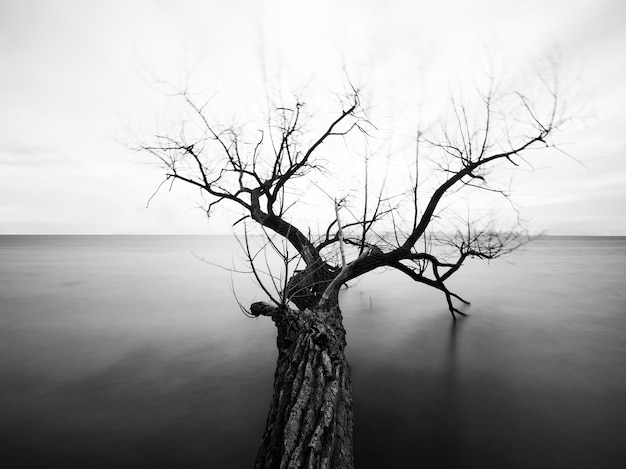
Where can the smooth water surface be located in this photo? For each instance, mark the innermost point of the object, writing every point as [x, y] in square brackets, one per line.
[129, 351]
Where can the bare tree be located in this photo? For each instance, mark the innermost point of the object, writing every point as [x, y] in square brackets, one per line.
[262, 173]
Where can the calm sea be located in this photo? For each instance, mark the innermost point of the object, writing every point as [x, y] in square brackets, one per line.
[130, 352]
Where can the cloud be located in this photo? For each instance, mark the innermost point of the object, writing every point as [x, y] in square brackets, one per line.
[31, 156]
[74, 69]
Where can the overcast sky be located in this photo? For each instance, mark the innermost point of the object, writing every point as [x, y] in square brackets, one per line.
[77, 76]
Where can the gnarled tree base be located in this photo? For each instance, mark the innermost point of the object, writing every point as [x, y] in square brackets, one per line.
[310, 420]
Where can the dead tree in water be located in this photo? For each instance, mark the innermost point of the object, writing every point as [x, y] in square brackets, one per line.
[263, 174]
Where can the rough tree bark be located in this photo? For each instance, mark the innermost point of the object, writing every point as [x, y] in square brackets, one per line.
[310, 420]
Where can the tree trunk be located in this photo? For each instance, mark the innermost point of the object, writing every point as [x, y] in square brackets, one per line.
[310, 420]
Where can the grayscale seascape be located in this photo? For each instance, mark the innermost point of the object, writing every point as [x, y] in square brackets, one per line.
[429, 200]
[129, 351]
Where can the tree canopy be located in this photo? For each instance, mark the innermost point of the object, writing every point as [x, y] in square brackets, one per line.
[270, 170]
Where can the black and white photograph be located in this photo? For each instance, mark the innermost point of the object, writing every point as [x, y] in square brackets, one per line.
[324, 235]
